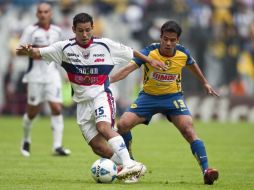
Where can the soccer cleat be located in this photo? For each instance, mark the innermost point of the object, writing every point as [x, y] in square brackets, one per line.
[142, 171]
[135, 169]
[210, 176]
[25, 149]
[135, 179]
[132, 179]
[60, 151]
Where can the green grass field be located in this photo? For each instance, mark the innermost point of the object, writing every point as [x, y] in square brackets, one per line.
[170, 164]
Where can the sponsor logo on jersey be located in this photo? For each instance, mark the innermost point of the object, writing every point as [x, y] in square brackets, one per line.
[88, 71]
[99, 55]
[74, 60]
[72, 55]
[163, 77]
[134, 106]
[39, 41]
[86, 54]
[99, 60]
[88, 80]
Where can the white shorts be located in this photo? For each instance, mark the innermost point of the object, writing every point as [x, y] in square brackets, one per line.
[41, 92]
[101, 108]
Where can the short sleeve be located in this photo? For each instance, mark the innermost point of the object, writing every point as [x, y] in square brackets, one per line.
[26, 36]
[190, 59]
[120, 53]
[145, 52]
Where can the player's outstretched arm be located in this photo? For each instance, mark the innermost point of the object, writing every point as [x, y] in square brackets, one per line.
[123, 72]
[29, 51]
[154, 63]
[194, 68]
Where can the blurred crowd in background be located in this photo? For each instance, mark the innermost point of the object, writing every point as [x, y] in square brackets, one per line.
[219, 34]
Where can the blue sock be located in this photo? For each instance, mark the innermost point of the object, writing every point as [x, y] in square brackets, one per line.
[198, 150]
[127, 137]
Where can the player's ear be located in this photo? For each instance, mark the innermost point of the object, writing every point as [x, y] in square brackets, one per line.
[73, 29]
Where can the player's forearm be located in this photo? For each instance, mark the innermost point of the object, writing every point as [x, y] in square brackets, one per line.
[198, 73]
[154, 63]
[119, 75]
[142, 57]
[116, 77]
[123, 72]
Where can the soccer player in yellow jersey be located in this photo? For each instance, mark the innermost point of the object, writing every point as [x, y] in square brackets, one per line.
[162, 93]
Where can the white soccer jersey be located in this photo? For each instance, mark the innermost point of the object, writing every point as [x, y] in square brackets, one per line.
[88, 66]
[39, 37]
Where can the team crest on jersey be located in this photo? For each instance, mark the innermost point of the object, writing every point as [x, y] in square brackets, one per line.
[168, 63]
[86, 54]
[163, 77]
[134, 106]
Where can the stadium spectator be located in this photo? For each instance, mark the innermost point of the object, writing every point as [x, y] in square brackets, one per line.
[43, 81]
[245, 67]
[88, 62]
[162, 93]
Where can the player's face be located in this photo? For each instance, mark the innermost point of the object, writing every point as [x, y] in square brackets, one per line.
[168, 43]
[83, 32]
[44, 14]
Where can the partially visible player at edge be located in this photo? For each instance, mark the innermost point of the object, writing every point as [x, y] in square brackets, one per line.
[88, 62]
[162, 93]
[43, 81]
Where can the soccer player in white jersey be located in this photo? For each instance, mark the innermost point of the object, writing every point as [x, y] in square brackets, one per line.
[88, 62]
[44, 82]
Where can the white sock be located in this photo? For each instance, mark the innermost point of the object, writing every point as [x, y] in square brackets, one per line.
[27, 125]
[119, 148]
[57, 128]
[116, 159]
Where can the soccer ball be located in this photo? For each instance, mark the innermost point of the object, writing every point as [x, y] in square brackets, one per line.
[104, 171]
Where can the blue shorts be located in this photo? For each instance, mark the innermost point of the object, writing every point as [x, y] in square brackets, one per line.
[147, 105]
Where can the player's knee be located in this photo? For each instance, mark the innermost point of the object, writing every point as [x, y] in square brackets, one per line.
[32, 114]
[103, 127]
[187, 130]
[189, 133]
[102, 150]
[56, 111]
[56, 108]
[123, 126]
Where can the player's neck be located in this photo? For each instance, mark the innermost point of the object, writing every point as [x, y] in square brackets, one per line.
[44, 26]
[86, 45]
[167, 53]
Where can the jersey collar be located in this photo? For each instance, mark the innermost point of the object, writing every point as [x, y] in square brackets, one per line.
[87, 45]
[43, 27]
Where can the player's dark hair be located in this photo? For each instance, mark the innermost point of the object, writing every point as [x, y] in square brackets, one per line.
[171, 26]
[82, 18]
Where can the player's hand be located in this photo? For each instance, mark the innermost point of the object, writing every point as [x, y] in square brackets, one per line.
[158, 65]
[25, 50]
[210, 90]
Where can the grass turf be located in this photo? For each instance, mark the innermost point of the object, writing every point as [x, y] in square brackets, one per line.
[160, 146]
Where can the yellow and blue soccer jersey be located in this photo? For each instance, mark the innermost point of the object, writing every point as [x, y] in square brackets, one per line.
[157, 82]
